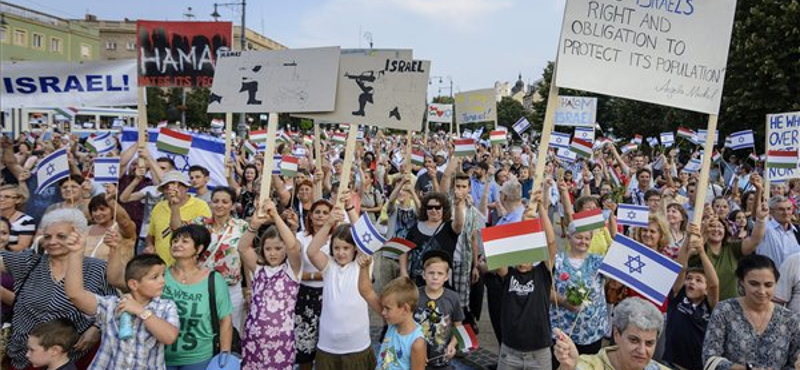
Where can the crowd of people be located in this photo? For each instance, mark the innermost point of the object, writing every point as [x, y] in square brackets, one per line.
[163, 271]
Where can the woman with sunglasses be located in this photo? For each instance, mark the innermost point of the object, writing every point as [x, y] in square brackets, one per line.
[436, 230]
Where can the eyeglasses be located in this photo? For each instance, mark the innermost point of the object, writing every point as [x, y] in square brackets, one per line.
[434, 207]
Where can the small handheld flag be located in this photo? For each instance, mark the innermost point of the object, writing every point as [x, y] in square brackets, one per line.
[366, 237]
[174, 142]
[52, 169]
[686, 133]
[632, 215]
[339, 138]
[667, 139]
[588, 220]
[276, 164]
[559, 140]
[464, 147]
[106, 170]
[521, 125]
[398, 246]
[467, 340]
[289, 166]
[102, 143]
[584, 133]
[742, 140]
[640, 268]
[582, 147]
[417, 157]
[258, 136]
[566, 155]
[693, 166]
[498, 137]
[515, 243]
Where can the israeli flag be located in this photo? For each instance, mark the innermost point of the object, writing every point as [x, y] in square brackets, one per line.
[633, 215]
[566, 155]
[367, 238]
[742, 140]
[521, 125]
[106, 170]
[701, 136]
[584, 133]
[693, 166]
[640, 268]
[667, 139]
[52, 169]
[559, 140]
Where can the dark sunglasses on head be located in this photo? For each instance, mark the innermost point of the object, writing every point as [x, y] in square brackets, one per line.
[437, 207]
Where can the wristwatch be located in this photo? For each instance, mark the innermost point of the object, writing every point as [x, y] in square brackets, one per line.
[748, 366]
[147, 313]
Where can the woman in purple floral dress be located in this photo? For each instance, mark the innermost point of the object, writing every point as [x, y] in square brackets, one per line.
[268, 340]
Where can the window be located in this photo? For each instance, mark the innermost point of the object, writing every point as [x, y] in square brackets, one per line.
[111, 45]
[55, 45]
[4, 34]
[37, 41]
[86, 51]
[131, 45]
[21, 37]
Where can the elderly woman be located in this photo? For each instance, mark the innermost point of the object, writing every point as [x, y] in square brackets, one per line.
[637, 325]
[23, 226]
[752, 332]
[40, 291]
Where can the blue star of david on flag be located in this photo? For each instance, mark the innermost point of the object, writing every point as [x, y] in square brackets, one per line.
[106, 170]
[50, 169]
[367, 238]
[635, 264]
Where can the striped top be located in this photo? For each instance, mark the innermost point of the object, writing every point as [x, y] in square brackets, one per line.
[41, 299]
[24, 225]
[142, 351]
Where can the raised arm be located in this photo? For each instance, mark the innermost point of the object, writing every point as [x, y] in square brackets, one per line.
[365, 283]
[83, 300]
[690, 243]
[750, 243]
[117, 259]
[287, 236]
[247, 251]
[318, 258]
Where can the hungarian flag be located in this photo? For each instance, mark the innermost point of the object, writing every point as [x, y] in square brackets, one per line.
[339, 138]
[686, 133]
[467, 340]
[217, 124]
[308, 140]
[637, 139]
[398, 246]
[628, 148]
[782, 159]
[716, 157]
[515, 243]
[614, 178]
[289, 166]
[582, 147]
[588, 220]
[498, 137]
[174, 142]
[417, 157]
[250, 147]
[464, 147]
[283, 136]
[258, 136]
[754, 157]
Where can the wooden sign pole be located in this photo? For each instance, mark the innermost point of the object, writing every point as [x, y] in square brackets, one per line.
[228, 133]
[409, 149]
[317, 147]
[765, 179]
[269, 161]
[142, 121]
[347, 165]
[705, 169]
[547, 130]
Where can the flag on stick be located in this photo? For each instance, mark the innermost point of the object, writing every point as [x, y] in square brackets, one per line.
[693, 166]
[398, 246]
[52, 169]
[627, 148]
[716, 157]
[782, 159]
[174, 142]
[521, 125]
[686, 133]
[640, 268]
[258, 136]
[515, 243]
[559, 140]
[667, 139]
[582, 147]
[637, 139]
[498, 137]
[217, 124]
[106, 170]
[632, 215]
[464, 147]
[566, 155]
[308, 140]
[289, 166]
[742, 140]
[614, 178]
[102, 143]
[339, 138]
[584, 133]
[417, 157]
[467, 340]
[366, 237]
[588, 220]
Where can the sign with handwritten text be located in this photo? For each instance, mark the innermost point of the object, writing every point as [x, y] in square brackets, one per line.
[783, 133]
[576, 111]
[672, 53]
[476, 106]
[442, 113]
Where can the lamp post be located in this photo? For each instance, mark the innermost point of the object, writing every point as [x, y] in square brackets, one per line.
[241, 129]
[441, 81]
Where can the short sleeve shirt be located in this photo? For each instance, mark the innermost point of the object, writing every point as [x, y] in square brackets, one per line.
[159, 223]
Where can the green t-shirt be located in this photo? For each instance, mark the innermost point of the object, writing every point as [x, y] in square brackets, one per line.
[196, 338]
[725, 264]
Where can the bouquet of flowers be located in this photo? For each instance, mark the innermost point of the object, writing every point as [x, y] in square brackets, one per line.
[576, 294]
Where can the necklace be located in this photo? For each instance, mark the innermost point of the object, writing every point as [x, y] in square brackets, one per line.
[184, 276]
[57, 278]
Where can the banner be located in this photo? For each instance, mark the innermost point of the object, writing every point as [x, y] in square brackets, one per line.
[180, 54]
[783, 133]
[380, 91]
[672, 53]
[64, 84]
[576, 111]
[282, 81]
[476, 106]
[442, 113]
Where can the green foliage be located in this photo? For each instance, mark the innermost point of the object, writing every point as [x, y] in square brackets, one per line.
[509, 111]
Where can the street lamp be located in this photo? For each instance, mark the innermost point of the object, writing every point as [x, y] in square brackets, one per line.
[441, 81]
[368, 37]
[241, 129]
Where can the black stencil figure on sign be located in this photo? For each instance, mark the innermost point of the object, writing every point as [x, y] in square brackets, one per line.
[251, 86]
[366, 91]
[395, 113]
[215, 98]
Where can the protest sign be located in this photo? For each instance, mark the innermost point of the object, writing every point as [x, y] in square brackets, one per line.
[783, 133]
[60, 84]
[576, 111]
[379, 91]
[442, 113]
[671, 53]
[180, 54]
[295, 80]
[476, 106]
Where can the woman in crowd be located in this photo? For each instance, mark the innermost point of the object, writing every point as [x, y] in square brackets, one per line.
[677, 219]
[752, 332]
[302, 201]
[737, 224]
[371, 196]
[73, 196]
[106, 215]
[246, 189]
[23, 227]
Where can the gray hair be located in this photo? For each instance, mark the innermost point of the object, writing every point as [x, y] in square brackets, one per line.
[773, 202]
[639, 313]
[512, 189]
[72, 216]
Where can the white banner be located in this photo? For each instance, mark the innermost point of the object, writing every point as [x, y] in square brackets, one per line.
[672, 53]
[292, 80]
[783, 133]
[440, 113]
[380, 91]
[576, 111]
[476, 106]
[59, 84]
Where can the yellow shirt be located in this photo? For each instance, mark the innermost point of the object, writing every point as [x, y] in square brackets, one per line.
[600, 361]
[159, 223]
[601, 240]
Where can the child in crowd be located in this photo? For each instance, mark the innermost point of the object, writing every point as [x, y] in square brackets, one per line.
[694, 295]
[273, 259]
[154, 320]
[49, 345]
[403, 346]
[438, 310]
[344, 340]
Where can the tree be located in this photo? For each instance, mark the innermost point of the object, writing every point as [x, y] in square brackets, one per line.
[156, 105]
[509, 111]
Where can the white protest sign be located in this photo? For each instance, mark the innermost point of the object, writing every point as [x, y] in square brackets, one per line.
[440, 113]
[476, 106]
[292, 80]
[783, 133]
[672, 53]
[379, 91]
[61, 84]
[576, 111]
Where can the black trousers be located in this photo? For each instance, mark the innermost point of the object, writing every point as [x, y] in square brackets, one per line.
[494, 298]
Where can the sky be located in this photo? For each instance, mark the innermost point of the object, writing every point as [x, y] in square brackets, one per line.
[472, 42]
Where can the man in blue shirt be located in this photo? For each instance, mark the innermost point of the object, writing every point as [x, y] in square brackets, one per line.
[779, 240]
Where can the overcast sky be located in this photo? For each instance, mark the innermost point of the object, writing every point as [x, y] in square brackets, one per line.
[476, 42]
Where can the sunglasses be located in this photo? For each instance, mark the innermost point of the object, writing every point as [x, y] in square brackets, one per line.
[437, 207]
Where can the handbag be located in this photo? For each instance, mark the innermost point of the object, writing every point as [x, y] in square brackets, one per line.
[225, 361]
[236, 342]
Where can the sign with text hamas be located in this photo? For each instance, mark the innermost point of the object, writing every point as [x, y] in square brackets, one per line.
[783, 134]
[180, 54]
[672, 53]
[62, 84]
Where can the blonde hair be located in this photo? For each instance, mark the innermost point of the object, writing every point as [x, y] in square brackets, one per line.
[663, 241]
[22, 196]
[403, 291]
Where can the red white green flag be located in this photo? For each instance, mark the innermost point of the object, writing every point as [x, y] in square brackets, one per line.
[417, 157]
[289, 166]
[582, 147]
[498, 137]
[515, 243]
[398, 246]
[339, 138]
[588, 220]
[171, 141]
[782, 159]
[258, 136]
[686, 133]
[467, 340]
[308, 140]
[464, 147]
